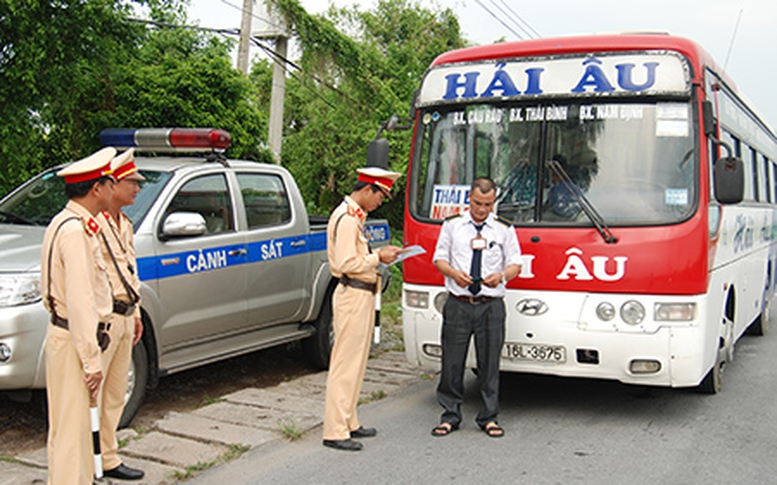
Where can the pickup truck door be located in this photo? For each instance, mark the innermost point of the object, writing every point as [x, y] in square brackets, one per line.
[202, 279]
[278, 250]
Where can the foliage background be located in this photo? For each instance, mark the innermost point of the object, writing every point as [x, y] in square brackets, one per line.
[70, 68]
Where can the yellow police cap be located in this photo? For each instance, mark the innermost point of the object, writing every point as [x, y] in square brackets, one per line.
[92, 167]
[380, 177]
[123, 167]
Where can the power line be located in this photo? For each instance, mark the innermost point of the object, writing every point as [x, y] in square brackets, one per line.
[536, 34]
[499, 20]
[252, 14]
[507, 15]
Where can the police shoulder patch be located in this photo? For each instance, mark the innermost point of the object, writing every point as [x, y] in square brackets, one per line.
[91, 226]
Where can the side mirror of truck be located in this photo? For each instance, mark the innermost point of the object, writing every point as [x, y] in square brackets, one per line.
[180, 224]
[729, 180]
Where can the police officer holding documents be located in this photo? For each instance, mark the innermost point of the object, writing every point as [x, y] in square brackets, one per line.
[125, 325]
[75, 290]
[478, 253]
[353, 262]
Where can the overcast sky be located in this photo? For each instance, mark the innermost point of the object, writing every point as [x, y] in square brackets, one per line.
[740, 34]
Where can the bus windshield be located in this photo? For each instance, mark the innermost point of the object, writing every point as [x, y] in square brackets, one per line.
[633, 163]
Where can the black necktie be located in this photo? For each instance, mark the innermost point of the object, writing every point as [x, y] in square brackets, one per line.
[474, 267]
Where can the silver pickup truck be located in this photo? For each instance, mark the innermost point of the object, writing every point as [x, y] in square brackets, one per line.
[230, 262]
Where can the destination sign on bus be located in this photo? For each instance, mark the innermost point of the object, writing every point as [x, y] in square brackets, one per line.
[652, 73]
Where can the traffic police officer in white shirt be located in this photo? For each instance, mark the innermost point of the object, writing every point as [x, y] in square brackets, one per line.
[478, 253]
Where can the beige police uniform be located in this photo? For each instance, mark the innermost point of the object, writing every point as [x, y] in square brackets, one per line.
[116, 359]
[77, 283]
[353, 317]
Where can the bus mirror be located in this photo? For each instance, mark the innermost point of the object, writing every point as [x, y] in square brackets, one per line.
[378, 153]
[729, 180]
[413, 104]
[709, 119]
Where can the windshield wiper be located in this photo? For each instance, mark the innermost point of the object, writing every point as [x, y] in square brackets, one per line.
[594, 215]
[11, 217]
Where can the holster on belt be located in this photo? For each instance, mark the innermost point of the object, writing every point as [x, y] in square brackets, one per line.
[359, 284]
[123, 308]
[103, 338]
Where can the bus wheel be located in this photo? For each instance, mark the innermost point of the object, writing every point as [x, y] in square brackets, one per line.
[728, 344]
[761, 324]
[713, 381]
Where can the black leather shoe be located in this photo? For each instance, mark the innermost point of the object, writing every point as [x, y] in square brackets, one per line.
[363, 432]
[346, 445]
[123, 472]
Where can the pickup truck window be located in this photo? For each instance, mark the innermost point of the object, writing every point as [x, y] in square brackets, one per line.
[265, 198]
[208, 195]
[149, 191]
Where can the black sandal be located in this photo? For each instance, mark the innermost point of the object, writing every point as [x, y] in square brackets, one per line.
[494, 430]
[444, 429]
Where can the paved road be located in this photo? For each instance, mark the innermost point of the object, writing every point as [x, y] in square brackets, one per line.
[559, 431]
[180, 444]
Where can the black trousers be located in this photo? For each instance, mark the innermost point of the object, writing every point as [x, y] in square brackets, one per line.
[462, 320]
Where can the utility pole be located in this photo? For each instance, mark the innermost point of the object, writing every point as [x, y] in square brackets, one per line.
[277, 96]
[272, 26]
[245, 36]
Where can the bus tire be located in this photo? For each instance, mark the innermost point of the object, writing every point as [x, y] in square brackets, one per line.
[318, 347]
[760, 326]
[713, 381]
[136, 384]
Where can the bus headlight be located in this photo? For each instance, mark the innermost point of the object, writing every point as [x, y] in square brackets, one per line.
[417, 299]
[632, 312]
[674, 312]
[605, 311]
[439, 301]
[19, 289]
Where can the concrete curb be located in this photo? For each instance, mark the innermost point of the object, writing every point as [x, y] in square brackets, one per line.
[182, 443]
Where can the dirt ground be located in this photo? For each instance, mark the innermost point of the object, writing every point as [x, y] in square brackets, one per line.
[23, 425]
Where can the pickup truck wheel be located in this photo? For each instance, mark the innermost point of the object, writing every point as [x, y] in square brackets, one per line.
[136, 384]
[319, 347]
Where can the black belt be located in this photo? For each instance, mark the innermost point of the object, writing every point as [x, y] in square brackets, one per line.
[123, 308]
[60, 322]
[358, 284]
[475, 300]
[103, 340]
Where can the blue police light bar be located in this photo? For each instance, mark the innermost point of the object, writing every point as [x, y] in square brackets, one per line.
[167, 139]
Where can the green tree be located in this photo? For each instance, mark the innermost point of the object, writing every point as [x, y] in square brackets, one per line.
[54, 58]
[183, 78]
[70, 68]
[350, 84]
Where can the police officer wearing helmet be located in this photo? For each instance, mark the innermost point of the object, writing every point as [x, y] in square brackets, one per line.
[353, 262]
[126, 327]
[75, 290]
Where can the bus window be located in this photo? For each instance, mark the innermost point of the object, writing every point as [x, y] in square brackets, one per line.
[736, 148]
[758, 177]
